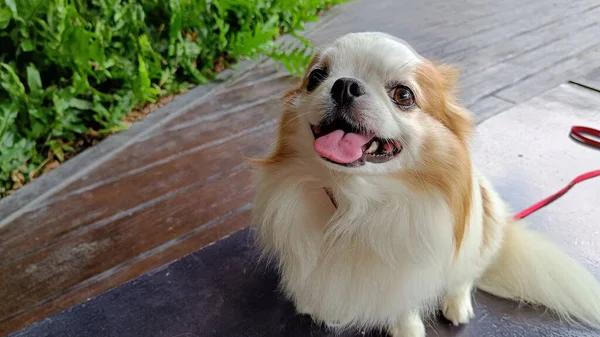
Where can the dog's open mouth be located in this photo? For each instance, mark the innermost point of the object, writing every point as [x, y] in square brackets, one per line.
[341, 143]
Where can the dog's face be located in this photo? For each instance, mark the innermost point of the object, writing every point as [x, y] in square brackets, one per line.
[369, 105]
[372, 105]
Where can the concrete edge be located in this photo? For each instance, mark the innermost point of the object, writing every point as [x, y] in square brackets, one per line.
[568, 83]
[590, 80]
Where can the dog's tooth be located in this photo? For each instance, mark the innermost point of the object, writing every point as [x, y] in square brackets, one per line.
[373, 147]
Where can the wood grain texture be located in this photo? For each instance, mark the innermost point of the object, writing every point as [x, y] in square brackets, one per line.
[516, 45]
[186, 183]
[138, 190]
[152, 259]
[572, 68]
[488, 107]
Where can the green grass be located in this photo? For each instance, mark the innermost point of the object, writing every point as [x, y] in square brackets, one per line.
[70, 68]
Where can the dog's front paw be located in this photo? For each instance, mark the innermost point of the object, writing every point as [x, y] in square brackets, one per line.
[409, 331]
[411, 326]
[458, 308]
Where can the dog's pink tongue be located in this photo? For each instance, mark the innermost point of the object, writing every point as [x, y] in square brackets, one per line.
[341, 147]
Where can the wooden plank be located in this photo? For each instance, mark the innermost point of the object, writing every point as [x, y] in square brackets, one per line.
[477, 59]
[261, 73]
[509, 72]
[121, 198]
[241, 93]
[179, 139]
[55, 268]
[488, 80]
[501, 23]
[550, 54]
[557, 74]
[523, 24]
[488, 106]
[399, 18]
[471, 14]
[120, 274]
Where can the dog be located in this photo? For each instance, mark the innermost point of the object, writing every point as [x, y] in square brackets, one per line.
[374, 211]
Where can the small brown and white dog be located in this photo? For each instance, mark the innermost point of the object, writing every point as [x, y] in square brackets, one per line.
[373, 208]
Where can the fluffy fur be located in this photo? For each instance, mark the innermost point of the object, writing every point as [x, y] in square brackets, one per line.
[410, 235]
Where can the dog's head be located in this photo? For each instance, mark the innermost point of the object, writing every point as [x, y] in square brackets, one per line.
[370, 104]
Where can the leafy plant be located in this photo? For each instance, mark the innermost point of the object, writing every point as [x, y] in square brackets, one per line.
[76, 67]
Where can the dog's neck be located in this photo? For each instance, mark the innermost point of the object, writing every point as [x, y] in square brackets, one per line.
[351, 191]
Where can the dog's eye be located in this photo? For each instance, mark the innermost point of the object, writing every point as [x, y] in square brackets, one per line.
[404, 97]
[315, 78]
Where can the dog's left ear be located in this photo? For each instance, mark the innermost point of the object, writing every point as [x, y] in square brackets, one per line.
[438, 82]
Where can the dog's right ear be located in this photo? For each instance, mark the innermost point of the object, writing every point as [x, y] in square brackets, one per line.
[289, 98]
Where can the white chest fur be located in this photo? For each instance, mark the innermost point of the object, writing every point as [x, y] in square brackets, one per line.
[382, 252]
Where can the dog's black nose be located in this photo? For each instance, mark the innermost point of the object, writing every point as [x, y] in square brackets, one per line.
[345, 90]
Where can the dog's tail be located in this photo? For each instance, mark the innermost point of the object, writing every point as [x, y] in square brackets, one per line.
[532, 269]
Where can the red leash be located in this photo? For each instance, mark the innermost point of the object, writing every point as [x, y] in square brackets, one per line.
[578, 133]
